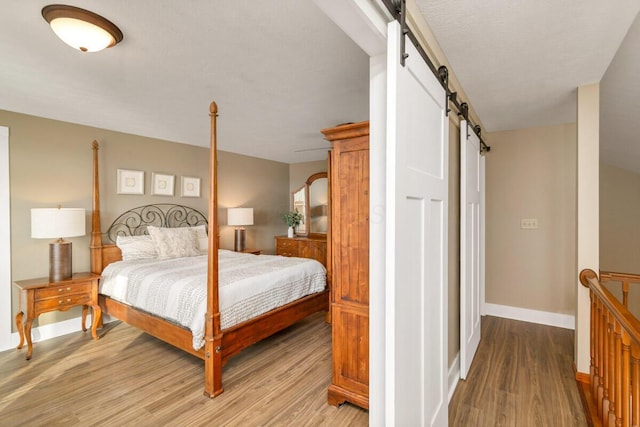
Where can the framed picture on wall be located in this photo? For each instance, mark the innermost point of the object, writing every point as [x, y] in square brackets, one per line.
[161, 184]
[130, 182]
[190, 186]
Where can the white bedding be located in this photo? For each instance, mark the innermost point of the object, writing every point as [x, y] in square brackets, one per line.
[176, 288]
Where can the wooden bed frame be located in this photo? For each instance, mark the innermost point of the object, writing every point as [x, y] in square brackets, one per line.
[219, 344]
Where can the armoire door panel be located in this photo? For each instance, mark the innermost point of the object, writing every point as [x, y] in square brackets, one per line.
[353, 226]
[353, 359]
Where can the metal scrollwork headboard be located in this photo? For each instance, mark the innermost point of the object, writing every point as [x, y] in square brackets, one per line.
[134, 222]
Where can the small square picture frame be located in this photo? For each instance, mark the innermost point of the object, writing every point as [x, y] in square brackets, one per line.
[190, 186]
[162, 184]
[129, 182]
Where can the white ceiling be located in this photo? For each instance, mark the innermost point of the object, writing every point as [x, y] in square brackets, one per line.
[280, 71]
[521, 61]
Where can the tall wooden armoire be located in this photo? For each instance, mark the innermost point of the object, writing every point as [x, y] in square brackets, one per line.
[349, 258]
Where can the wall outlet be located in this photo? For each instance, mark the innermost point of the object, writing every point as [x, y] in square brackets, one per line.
[529, 223]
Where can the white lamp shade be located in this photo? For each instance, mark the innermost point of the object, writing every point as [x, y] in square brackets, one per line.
[51, 223]
[81, 35]
[240, 216]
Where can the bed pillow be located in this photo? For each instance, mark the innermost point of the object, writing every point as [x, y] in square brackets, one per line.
[136, 247]
[201, 236]
[178, 242]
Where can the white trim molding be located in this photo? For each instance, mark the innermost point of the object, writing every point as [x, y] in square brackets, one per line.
[53, 330]
[5, 243]
[559, 320]
[454, 375]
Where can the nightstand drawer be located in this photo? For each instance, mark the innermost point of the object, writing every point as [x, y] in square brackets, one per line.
[62, 302]
[63, 289]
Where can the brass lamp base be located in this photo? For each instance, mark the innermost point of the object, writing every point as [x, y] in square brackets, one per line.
[239, 243]
[59, 261]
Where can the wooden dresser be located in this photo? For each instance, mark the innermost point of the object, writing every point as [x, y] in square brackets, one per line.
[349, 252]
[314, 247]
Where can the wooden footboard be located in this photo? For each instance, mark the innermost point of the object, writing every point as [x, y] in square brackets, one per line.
[241, 336]
[234, 339]
[162, 329]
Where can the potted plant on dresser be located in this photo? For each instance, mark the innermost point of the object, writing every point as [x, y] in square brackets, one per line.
[293, 219]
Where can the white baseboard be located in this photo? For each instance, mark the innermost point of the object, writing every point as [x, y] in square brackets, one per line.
[53, 330]
[454, 375]
[565, 321]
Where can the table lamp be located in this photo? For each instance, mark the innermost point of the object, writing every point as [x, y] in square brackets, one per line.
[51, 223]
[239, 217]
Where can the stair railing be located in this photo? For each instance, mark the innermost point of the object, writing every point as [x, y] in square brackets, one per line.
[614, 350]
[625, 280]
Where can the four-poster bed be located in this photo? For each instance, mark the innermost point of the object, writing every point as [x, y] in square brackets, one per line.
[219, 344]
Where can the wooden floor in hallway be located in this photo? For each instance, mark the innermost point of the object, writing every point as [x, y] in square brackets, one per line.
[522, 375]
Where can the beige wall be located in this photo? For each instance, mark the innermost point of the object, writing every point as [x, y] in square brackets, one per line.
[299, 172]
[619, 231]
[253, 183]
[619, 213]
[51, 163]
[531, 174]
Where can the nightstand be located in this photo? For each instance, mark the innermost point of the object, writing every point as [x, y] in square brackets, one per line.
[39, 296]
[252, 251]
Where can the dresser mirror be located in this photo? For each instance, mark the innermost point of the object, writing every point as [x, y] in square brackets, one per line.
[317, 203]
[299, 203]
[311, 200]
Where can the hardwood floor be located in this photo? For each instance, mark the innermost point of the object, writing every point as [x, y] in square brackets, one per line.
[130, 378]
[522, 375]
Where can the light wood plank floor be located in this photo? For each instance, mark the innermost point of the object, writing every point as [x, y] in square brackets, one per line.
[522, 375]
[129, 378]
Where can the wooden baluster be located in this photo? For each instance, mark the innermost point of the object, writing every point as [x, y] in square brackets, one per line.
[611, 418]
[607, 368]
[626, 378]
[593, 345]
[606, 365]
[602, 324]
[598, 351]
[635, 384]
[625, 292]
[615, 411]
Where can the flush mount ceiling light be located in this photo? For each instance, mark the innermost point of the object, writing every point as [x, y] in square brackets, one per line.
[81, 29]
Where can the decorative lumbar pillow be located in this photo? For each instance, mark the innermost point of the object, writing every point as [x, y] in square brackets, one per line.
[174, 242]
[201, 236]
[136, 247]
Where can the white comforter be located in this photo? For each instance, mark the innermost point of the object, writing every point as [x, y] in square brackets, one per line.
[176, 288]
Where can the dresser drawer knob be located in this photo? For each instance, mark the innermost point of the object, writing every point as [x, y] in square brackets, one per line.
[62, 289]
[64, 302]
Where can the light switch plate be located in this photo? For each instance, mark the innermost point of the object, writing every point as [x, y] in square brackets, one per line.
[529, 223]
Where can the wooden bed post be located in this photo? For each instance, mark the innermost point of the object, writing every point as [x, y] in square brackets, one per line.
[213, 333]
[96, 233]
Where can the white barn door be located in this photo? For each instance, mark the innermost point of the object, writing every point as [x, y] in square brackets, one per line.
[416, 260]
[471, 244]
